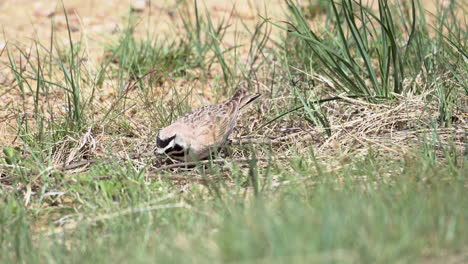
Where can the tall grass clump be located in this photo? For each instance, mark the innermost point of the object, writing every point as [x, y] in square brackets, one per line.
[50, 82]
[55, 86]
[141, 64]
[372, 53]
[136, 57]
[197, 46]
[192, 53]
[206, 37]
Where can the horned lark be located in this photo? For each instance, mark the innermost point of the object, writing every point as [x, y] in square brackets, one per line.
[197, 134]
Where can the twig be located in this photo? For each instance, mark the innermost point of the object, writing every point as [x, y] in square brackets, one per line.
[13, 166]
[271, 140]
[73, 225]
[203, 162]
[178, 178]
[350, 99]
[76, 165]
[242, 141]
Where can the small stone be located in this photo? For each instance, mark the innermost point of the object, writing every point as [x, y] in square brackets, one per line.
[2, 45]
[138, 5]
[44, 11]
[74, 28]
[3, 78]
[446, 3]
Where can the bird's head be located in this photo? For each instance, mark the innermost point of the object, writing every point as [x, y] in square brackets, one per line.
[169, 143]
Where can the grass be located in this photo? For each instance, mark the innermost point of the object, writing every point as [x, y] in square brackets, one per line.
[136, 57]
[356, 152]
[370, 210]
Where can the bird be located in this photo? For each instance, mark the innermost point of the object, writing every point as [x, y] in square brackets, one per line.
[196, 135]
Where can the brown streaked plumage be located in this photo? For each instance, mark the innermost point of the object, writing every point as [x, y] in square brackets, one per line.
[195, 135]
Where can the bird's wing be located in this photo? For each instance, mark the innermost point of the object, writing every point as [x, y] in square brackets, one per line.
[211, 125]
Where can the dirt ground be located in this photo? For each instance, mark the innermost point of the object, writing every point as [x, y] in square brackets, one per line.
[25, 22]
[94, 22]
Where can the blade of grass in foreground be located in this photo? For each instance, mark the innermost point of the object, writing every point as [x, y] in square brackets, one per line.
[370, 210]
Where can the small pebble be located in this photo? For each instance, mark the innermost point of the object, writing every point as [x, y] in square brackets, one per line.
[138, 5]
[2, 45]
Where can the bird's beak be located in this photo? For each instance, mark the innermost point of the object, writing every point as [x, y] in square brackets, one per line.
[159, 152]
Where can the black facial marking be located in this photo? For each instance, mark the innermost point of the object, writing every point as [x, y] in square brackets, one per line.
[181, 154]
[177, 149]
[163, 143]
